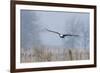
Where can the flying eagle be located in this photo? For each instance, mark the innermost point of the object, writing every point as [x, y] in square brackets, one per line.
[61, 35]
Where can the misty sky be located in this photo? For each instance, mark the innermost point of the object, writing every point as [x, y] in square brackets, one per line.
[34, 24]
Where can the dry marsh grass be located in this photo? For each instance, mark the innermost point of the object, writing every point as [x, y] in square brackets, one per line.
[50, 54]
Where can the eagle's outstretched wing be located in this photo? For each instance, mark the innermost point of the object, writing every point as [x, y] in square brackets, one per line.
[70, 35]
[53, 31]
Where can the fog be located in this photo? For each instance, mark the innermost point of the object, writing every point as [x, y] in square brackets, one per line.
[34, 25]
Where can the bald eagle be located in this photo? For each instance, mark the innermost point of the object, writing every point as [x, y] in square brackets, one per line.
[61, 35]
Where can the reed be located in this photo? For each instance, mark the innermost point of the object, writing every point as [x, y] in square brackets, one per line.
[50, 54]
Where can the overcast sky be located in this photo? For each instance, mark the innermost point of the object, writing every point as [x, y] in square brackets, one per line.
[35, 23]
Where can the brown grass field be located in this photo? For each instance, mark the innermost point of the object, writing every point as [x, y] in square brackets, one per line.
[50, 54]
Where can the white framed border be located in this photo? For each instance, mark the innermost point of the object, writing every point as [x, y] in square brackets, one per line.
[53, 64]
